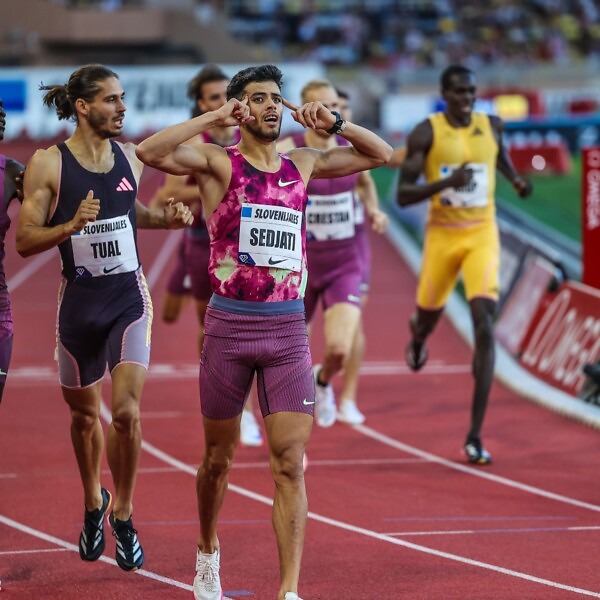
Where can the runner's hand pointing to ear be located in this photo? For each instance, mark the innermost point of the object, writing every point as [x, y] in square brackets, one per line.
[312, 115]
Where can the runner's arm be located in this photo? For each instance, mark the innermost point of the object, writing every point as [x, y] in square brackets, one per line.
[40, 189]
[522, 186]
[172, 151]
[419, 144]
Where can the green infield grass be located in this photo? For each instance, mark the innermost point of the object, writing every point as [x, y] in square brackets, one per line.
[555, 202]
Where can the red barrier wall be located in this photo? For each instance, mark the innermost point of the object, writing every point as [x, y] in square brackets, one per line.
[563, 336]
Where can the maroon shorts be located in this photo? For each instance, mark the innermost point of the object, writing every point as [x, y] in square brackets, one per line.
[197, 254]
[6, 343]
[179, 280]
[334, 275]
[274, 346]
[363, 247]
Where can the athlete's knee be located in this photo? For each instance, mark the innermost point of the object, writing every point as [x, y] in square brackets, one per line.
[286, 464]
[337, 353]
[217, 461]
[126, 417]
[84, 420]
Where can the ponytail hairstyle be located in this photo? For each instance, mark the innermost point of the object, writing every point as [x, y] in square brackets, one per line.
[83, 83]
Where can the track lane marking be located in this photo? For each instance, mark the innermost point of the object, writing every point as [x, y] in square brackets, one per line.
[73, 548]
[152, 277]
[163, 456]
[473, 471]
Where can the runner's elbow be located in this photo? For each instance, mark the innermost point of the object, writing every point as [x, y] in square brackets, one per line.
[146, 154]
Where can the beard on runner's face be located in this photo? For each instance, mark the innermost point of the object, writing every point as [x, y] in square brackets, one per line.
[263, 131]
[98, 122]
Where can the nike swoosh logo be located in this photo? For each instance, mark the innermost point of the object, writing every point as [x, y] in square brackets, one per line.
[276, 262]
[286, 183]
[307, 402]
[111, 269]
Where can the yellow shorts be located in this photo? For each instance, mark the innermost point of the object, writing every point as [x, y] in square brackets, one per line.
[472, 251]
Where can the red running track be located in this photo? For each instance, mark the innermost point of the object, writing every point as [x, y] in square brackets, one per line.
[395, 510]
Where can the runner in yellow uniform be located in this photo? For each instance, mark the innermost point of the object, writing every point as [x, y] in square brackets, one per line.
[458, 151]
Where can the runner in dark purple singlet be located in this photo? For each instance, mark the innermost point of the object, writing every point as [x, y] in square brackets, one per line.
[80, 195]
[10, 170]
[254, 200]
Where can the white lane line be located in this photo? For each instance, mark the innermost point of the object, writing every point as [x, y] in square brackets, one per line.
[473, 471]
[33, 265]
[32, 375]
[73, 548]
[162, 257]
[163, 456]
[36, 551]
[478, 531]
[339, 524]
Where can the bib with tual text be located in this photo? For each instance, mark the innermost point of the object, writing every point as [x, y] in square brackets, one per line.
[105, 247]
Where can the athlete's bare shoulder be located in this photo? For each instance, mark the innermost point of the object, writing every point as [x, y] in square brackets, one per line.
[44, 159]
[305, 160]
[129, 149]
[136, 164]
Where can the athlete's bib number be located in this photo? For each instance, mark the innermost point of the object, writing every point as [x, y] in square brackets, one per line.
[105, 247]
[271, 236]
[475, 193]
[330, 217]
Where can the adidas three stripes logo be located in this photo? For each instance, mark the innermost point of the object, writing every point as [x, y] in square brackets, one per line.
[124, 186]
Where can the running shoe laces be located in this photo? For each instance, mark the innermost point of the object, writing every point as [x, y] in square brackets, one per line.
[91, 540]
[207, 583]
[129, 554]
[324, 401]
[476, 453]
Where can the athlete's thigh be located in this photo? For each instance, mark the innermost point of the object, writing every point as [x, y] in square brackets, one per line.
[226, 371]
[285, 379]
[342, 276]
[340, 323]
[481, 265]
[127, 383]
[81, 349]
[440, 265]
[129, 338]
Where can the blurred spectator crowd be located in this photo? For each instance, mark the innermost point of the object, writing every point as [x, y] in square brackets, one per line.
[421, 33]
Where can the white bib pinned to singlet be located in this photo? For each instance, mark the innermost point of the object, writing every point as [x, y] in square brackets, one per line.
[475, 193]
[105, 247]
[330, 217]
[271, 236]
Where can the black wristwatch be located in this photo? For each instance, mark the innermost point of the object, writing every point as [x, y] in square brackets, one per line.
[339, 124]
